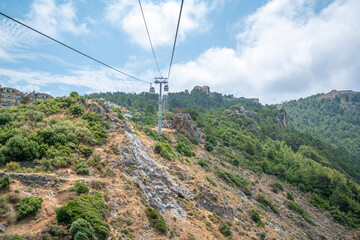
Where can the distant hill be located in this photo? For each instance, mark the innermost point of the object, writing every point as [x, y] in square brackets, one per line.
[334, 118]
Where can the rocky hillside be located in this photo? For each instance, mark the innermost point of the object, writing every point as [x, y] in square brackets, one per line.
[75, 169]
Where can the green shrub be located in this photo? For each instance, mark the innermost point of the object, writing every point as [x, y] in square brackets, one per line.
[234, 181]
[208, 146]
[184, 149]
[28, 206]
[289, 196]
[225, 229]
[82, 169]
[81, 230]
[319, 202]
[19, 149]
[203, 164]
[81, 187]
[89, 207]
[254, 215]
[4, 118]
[12, 166]
[120, 114]
[5, 182]
[76, 109]
[263, 200]
[262, 235]
[299, 210]
[86, 151]
[156, 220]
[164, 150]
[276, 187]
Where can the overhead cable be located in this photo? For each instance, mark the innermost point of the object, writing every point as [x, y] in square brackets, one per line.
[147, 30]
[57, 41]
[177, 30]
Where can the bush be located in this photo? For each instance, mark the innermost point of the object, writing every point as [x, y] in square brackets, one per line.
[203, 164]
[289, 196]
[184, 149]
[276, 187]
[89, 207]
[299, 210]
[263, 200]
[208, 146]
[28, 206]
[156, 220]
[76, 109]
[19, 149]
[86, 151]
[225, 229]
[82, 169]
[164, 150]
[234, 181]
[254, 215]
[4, 118]
[5, 182]
[81, 230]
[81, 187]
[262, 235]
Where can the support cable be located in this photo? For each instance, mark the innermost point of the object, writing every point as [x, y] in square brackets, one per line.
[71, 48]
[147, 30]
[177, 30]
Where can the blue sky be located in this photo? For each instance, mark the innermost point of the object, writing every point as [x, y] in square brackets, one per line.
[275, 50]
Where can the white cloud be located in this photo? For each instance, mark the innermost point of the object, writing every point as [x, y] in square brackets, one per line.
[97, 80]
[45, 16]
[161, 17]
[52, 18]
[285, 50]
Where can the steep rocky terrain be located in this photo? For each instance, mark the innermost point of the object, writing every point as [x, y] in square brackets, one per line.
[198, 191]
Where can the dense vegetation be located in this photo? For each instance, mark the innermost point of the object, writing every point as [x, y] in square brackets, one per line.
[145, 106]
[50, 133]
[335, 121]
[259, 142]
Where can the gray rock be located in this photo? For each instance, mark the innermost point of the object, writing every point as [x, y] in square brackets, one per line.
[2, 228]
[97, 108]
[183, 124]
[32, 179]
[160, 190]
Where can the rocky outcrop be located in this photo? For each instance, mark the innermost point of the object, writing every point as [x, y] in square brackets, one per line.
[240, 112]
[208, 201]
[281, 118]
[32, 179]
[158, 186]
[183, 124]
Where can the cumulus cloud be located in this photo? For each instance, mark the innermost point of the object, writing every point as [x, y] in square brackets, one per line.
[53, 18]
[285, 50]
[161, 17]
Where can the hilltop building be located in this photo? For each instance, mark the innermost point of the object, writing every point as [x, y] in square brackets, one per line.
[12, 97]
[205, 89]
[33, 96]
[335, 93]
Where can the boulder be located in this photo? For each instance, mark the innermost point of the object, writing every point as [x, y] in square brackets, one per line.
[2, 228]
[183, 124]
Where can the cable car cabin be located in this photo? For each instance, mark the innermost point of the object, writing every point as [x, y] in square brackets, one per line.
[152, 90]
[166, 88]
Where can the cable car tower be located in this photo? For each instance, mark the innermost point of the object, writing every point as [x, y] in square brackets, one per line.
[161, 81]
